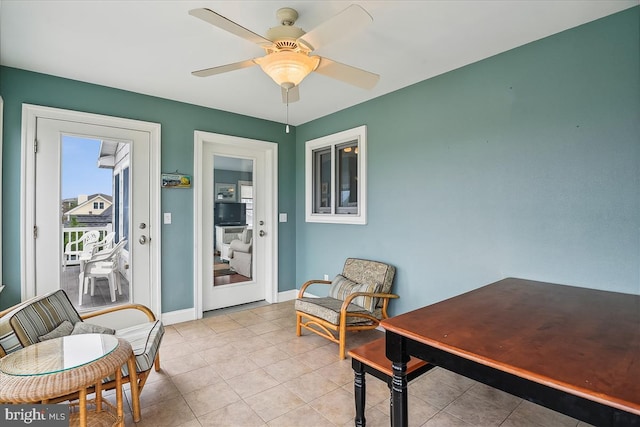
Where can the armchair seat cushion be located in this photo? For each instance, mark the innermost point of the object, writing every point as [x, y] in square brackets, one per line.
[145, 340]
[328, 309]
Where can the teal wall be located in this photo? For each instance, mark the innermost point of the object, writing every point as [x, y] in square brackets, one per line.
[178, 122]
[525, 164]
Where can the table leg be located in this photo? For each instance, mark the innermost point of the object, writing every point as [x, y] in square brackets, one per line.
[399, 409]
[98, 396]
[360, 391]
[119, 409]
[82, 398]
[397, 352]
[135, 392]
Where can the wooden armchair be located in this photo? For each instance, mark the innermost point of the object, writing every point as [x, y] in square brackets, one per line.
[358, 300]
[23, 324]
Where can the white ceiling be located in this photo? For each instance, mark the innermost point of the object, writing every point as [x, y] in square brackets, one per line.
[151, 47]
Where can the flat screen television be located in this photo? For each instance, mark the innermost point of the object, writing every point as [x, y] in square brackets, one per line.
[230, 213]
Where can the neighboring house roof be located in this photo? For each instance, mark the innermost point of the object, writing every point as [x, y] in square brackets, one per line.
[93, 198]
[93, 220]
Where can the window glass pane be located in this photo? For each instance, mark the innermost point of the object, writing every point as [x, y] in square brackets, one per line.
[347, 178]
[322, 179]
[335, 178]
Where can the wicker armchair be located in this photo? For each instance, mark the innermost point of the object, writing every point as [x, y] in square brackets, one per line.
[358, 300]
[23, 324]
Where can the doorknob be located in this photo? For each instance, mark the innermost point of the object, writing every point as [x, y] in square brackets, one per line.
[262, 233]
[143, 239]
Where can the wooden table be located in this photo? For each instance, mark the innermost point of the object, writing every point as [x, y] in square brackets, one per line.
[573, 350]
[63, 366]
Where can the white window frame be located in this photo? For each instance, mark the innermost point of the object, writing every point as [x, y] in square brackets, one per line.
[358, 134]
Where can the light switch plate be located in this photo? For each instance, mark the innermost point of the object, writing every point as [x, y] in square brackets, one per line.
[167, 217]
[283, 217]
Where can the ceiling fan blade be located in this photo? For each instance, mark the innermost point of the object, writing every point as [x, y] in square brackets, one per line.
[221, 22]
[347, 73]
[352, 19]
[224, 68]
[292, 96]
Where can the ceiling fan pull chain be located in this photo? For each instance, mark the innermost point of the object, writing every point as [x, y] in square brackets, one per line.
[287, 127]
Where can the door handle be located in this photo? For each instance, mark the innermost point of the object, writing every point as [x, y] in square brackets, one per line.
[143, 239]
[262, 233]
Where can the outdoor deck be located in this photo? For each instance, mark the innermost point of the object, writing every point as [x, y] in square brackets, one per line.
[101, 298]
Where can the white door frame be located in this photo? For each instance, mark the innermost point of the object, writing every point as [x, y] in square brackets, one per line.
[30, 114]
[271, 165]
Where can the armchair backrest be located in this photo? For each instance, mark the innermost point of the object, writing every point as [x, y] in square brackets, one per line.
[8, 339]
[369, 272]
[42, 315]
[246, 235]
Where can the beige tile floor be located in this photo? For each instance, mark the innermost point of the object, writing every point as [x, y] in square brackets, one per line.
[247, 368]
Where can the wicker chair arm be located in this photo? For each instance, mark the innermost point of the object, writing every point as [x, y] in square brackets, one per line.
[144, 309]
[312, 282]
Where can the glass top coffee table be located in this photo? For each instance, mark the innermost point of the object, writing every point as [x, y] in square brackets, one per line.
[65, 366]
[52, 356]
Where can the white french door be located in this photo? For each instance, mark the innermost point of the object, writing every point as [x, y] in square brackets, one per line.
[42, 229]
[210, 151]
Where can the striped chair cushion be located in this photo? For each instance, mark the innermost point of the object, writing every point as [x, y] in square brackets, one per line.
[341, 287]
[328, 309]
[145, 340]
[42, 316]
[8, 339]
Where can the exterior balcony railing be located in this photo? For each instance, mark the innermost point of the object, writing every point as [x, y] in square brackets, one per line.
[73, 234]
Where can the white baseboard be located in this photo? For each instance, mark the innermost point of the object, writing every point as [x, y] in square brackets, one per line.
[189, 314]
[179, 316]
[287, 295]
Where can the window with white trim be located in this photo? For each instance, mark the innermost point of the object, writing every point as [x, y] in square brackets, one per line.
[335, 175]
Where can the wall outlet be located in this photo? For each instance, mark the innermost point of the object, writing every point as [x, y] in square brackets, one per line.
[326, 277]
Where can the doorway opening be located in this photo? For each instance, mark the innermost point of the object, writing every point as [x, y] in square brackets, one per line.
[233, 220]
[129, 152]
[236, 239]
[94, 219]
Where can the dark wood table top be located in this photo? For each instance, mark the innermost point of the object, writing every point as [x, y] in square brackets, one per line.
[582, 341]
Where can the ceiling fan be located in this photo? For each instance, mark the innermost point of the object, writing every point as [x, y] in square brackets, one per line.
[288, 60]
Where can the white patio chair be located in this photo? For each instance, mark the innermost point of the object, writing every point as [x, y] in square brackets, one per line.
[102, 264]
[106, 242]
[77, 247]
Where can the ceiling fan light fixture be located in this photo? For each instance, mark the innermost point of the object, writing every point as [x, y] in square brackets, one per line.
[288, 66]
